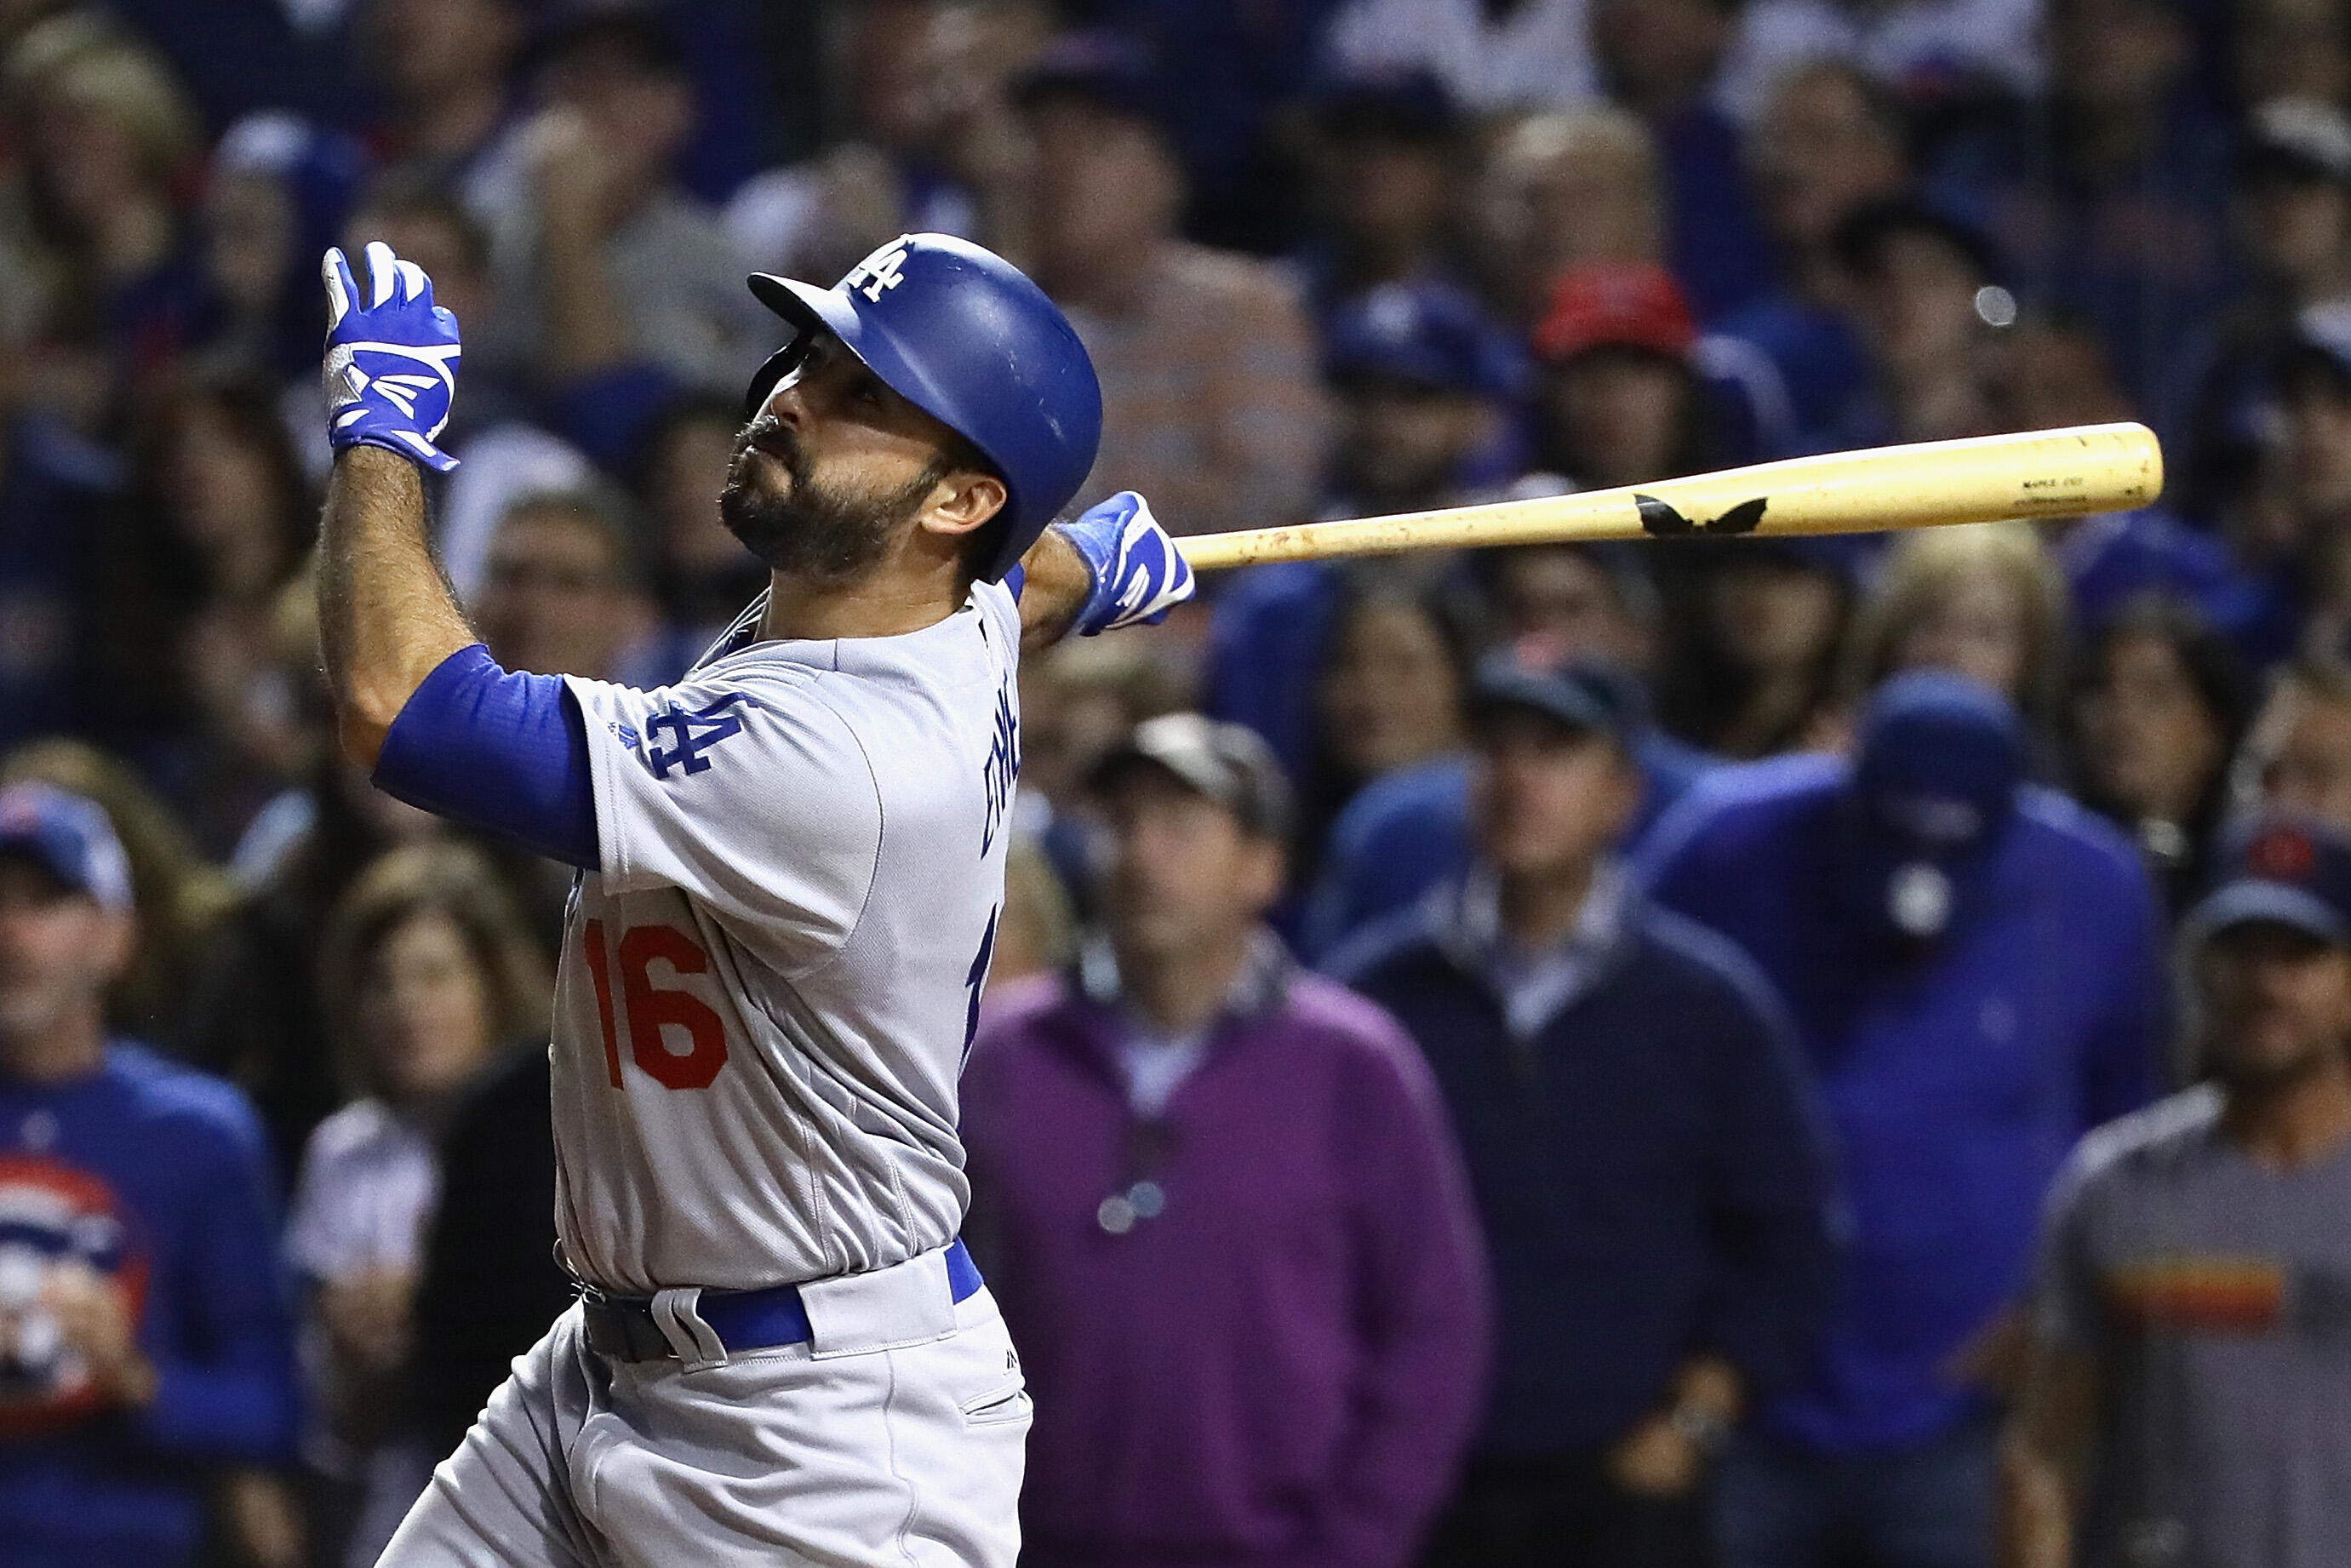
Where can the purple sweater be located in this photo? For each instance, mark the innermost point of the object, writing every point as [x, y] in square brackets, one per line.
[1284, 1366]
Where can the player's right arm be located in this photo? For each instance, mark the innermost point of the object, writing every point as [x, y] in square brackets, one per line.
[418, 700]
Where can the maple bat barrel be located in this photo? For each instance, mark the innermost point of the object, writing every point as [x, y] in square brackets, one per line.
[2076, 472]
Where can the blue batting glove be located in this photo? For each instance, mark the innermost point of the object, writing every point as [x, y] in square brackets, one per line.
[392, 358]
[1139, 574]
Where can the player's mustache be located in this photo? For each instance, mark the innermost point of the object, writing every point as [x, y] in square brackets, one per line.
[772, 436]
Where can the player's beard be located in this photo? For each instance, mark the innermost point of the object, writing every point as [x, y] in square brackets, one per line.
[811, 530]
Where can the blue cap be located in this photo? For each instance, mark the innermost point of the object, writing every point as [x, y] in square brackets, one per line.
[69, 837]
[1933, 791]
[1428, 334]
[962, 335]
[2280, 869]
[1940, 760]
[1539, 673]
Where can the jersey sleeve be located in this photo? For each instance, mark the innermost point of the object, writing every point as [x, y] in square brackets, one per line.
[746, 790]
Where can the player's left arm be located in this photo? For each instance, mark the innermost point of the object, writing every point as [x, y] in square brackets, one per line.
[418, 700]
[1112, 567]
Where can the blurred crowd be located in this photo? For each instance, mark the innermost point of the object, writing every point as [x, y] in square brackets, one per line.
[1566, 1055]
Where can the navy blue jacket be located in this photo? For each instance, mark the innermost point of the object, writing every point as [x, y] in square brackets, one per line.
[1956, 1077]
[1653, 1181]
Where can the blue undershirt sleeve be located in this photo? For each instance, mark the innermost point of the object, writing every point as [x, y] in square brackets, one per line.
[503, 752]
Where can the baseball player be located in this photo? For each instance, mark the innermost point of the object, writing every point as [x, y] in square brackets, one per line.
[791, 868]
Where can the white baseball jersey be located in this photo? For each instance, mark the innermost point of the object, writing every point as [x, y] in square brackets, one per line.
[767, 989]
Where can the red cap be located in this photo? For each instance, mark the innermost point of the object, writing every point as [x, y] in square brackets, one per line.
[1614, 305]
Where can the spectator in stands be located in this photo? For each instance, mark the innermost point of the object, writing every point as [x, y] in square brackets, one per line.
[2286, 529]
[1753, 670]
[1828, 142]
[446, 70]
[1535, 53]
[429, 973]
[2293, 531]
[702, 575]
[1661, 59]
[2109, 196]
[1424, 387]
[2291, 48]
[2163, 703]
[60, 503]
[488, 1282]
[1642, 1142]
[559, 595]
[1403, 834]
[275, 197]
[1210, 405]
[255, 1013]
[1985, 602]
[2293, 203]
[602, 259]
[1219, 1203]
[1950, 60]
[144, 1330]
[106, 139]
[929, 145]
[1388, 690]
[179, 899]
[1924, 293]
[2188, 1394]
[1621, 401]
[1563, 190]
[219, 475]
[1391, 161]
[1078, 702]
[2046, 374]
[2297, 755]
[1974, 966]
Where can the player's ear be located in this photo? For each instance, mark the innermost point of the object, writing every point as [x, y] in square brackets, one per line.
[965, 501]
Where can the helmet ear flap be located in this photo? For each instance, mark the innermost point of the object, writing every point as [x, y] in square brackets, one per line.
[770, 374]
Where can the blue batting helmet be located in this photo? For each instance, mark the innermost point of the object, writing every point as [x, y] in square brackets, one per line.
[962, 335]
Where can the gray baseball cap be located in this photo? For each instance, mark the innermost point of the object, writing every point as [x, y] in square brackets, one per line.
[1228, 763]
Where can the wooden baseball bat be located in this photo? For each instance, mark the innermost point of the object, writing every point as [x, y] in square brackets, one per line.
[2072, 472]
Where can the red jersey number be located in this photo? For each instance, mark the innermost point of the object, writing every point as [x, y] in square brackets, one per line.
[651, 1008]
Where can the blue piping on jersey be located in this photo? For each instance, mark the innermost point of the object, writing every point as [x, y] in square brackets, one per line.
[504, 753]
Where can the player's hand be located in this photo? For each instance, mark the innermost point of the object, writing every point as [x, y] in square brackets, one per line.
[392, 358]
[1138, 573]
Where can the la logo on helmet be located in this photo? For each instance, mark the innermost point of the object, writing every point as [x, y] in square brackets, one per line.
[879, 271]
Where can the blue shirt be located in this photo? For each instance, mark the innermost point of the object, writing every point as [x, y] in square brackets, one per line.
[158, 1176]
[1957, 1077]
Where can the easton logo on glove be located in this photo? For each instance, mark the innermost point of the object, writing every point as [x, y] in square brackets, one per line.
[392, 362]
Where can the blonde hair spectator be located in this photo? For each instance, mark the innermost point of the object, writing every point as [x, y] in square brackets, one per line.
[1984, 601]
[1565, 190]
